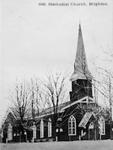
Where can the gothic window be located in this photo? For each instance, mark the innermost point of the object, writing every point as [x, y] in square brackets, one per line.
[72, 125]
[102, 126]
[10, 132]
[49, 128]
[41, 128]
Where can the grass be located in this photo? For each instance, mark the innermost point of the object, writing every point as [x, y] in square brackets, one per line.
[75, 145]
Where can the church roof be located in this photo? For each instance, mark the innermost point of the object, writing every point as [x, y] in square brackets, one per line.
[85, 119]
[63, 106]
[80, 66]
[50, 110]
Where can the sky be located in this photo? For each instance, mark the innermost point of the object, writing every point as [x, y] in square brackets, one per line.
[38, 40]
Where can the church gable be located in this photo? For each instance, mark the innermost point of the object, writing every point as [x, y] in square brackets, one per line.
[86, 119]
[84, 100]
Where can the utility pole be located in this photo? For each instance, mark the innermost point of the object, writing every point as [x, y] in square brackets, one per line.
[110, 103]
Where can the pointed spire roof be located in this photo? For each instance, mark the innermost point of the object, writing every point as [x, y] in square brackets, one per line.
[80, 66]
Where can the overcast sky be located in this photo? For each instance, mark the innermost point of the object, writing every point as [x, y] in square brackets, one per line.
[37, 40]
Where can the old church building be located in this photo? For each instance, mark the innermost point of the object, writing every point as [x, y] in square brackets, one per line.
[80, 118]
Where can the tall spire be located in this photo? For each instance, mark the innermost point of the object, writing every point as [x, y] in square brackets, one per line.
[80, 66]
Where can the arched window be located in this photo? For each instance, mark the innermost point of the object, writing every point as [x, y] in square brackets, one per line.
[49, 128]
[41, 128]
[102, 125]
[9, 132]
[72, 125]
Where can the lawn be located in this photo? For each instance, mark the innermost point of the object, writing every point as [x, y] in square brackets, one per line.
[75, 145]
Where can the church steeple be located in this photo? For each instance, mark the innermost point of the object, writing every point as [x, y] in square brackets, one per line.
[81, 77]
[80, 66]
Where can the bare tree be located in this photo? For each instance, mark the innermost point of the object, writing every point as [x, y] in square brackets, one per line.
[107, 85]
[55, 95]
[26, 104]
[21, 107]
[37, 98]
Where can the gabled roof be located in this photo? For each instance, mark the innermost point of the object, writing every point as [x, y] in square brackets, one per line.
[85, 99]
[85, 119]
[9, 114]
[63, 106]
[81, 70]
[50, 110]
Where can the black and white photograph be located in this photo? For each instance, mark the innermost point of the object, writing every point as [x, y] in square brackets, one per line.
[56, 75]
